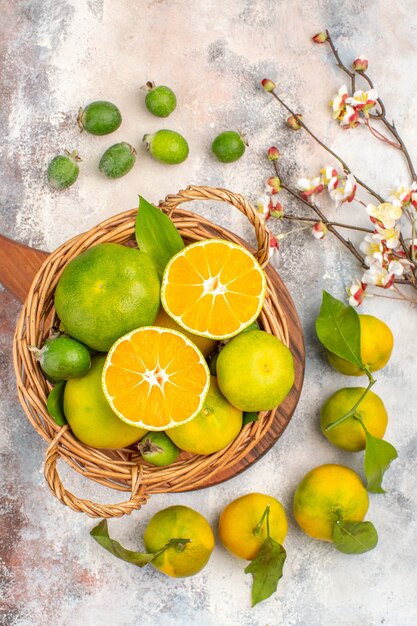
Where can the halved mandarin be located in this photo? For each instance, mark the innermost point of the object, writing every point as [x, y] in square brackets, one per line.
[213, 288]
[155, 378]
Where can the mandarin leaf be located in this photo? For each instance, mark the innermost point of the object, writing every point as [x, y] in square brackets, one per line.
[338, 329]
[101, 534]
[266, 569]
[379, 455]
[156, 235]
[352, 537]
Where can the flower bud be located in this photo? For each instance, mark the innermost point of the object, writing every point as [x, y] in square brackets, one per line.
[268, 84]
[320, 38]
[275, 207]
[360, 64]
[293, 121]
[273, 184]
[356, 293]
[319, 230]
[273, 153]
[279, 213]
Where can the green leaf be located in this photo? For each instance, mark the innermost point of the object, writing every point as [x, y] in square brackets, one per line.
[156, 235]
[266, 569]
[338, 329]
[379, 455]
[55, 403]
[354, 537]
[101, 534]
[249, 416]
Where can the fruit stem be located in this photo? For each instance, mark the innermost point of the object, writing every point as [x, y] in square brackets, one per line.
[179, 544]
[147, 140]
[340, 420]
[360, 420]
[147, 446]
[37, 352]
[258, 528]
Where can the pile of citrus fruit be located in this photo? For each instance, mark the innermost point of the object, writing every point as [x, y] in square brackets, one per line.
[132, 360]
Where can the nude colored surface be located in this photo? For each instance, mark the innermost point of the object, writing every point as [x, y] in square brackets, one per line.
[58, 55]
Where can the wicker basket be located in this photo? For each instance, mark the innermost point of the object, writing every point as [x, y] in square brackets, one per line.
[122, 469]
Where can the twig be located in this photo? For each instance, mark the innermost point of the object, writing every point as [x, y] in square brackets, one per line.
[381, 115]
[344, 165]
[331, 227]
[340, 63]
[317, 220]
[348, 244]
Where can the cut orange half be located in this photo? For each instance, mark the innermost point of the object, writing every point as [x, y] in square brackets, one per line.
[213, 288]
[155, 378]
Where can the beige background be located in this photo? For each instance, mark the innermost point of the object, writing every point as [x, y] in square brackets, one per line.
[58, 55]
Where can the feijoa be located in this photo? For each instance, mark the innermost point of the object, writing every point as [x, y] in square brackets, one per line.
[161, 100]
[63, 170]
[167, 146]
[118, 160]
[158, 449]
[228, 146]
[62, 358]
[99, 118]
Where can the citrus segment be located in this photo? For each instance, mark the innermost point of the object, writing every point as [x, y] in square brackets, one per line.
[155, 378]
[213, 288]
[205, 344]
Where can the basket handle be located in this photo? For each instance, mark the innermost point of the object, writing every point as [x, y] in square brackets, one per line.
[81, 505]
[192, 192]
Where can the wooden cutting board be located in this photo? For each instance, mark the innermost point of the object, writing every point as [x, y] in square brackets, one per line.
[19, 264]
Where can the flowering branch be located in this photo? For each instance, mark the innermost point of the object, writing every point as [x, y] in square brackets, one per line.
[323, 219]
[295, 122]
[389, 258]
[360, 66]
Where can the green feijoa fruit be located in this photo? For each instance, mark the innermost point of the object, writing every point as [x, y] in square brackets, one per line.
[62, 358]
[63, 170]
[55, 403]
[167, 146]
[158, 449]
[99, 118]
[161, 100]
[228, 146]
[118, 160]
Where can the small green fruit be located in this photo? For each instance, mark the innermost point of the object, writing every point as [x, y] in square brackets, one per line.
[158, 449]
[167, 146]
[160, 101]
[63, 170]
[62, 358]
[99, 118]
[228, 146]
[118, 160]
